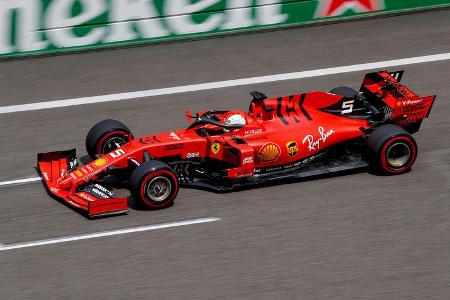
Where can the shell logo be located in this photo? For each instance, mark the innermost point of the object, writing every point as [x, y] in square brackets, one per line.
[269, 153]
[79, 173]
[100, 162]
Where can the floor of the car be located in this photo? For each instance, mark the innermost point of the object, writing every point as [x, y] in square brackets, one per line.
[329, 166]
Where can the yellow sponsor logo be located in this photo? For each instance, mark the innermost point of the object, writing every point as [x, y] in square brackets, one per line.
[79, 173]
[215, 148]
[269, 153]
[86, 196]
[100, 162]
[292, 148]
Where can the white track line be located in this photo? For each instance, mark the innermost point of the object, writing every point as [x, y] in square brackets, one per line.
[223, 84]
[19, 181]
[105, 233]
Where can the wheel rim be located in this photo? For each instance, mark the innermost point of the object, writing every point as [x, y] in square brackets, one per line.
[113, 143]
[398, 155]
[158, 189]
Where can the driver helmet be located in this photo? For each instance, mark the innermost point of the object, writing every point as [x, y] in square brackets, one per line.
[235, 119]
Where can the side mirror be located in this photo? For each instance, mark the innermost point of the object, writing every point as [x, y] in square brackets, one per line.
[189, 116]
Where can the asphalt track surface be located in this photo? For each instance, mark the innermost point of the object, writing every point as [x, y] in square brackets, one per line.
[358, 236]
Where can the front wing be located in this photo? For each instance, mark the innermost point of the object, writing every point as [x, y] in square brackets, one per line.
[54, 165]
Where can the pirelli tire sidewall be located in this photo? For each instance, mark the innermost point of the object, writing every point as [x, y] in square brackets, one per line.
[143, 175]
[383, 142]
[101, 132]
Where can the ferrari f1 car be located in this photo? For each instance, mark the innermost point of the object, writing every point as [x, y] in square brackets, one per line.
[293, 136]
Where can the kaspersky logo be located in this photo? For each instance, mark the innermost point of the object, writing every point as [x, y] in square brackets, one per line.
[333, 8]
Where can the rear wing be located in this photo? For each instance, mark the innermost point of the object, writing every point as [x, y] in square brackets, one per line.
[396, 101]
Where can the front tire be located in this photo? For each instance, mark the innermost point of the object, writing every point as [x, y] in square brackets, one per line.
[393, 149]
[154, 185]
[105, 136]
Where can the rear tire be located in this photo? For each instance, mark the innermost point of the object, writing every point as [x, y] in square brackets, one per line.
[154, 185]
[393, 149]
[106, 136]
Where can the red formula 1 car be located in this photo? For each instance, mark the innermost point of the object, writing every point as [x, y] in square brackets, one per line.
[278, 138]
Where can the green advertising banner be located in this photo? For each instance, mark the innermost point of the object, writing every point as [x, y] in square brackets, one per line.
[46, 26]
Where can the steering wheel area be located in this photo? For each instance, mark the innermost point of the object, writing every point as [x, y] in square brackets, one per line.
[210, 117]
[210, 124]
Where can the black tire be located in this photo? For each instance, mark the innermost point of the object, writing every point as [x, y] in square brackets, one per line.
[103, 132]
[393, 150]
[347, 92]
[162, 177]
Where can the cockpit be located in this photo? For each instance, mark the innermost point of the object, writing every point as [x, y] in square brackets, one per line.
[217, 122]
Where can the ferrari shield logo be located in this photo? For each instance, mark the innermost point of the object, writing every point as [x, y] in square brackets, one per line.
[292, 148]
[215, 148]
